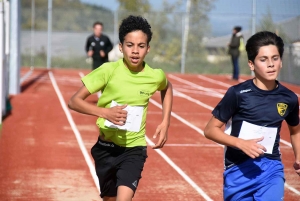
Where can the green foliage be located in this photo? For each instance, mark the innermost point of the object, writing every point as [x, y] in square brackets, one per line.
[267, 24]
[134, 5]
[66, 15]
[167, 28]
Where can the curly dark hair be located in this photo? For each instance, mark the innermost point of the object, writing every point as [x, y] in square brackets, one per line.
[260, 39]
[134, 23]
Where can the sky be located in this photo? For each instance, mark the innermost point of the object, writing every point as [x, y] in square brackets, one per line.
[228, 13]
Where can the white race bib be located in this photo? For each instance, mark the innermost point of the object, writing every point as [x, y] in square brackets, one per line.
[133, 121]
[251, 131]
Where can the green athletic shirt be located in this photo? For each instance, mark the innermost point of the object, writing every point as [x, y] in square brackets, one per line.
[118, 83]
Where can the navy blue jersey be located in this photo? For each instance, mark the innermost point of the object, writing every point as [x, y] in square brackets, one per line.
[246, 102]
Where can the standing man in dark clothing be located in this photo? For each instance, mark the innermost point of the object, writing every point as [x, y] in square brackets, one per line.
[98, 46]
[234, 50]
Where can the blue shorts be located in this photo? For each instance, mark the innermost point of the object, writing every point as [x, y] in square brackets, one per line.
[259, 179]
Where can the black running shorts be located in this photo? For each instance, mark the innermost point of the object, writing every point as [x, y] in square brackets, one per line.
[117, 166]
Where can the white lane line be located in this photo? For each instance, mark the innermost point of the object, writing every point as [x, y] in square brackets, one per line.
[195, 85]
[43, 79]
[81, 74]
[214, 81]
[191, 145]
[179, 94]
[291, 188]
[224, 84]
[179, 171]
[75, 130]
[179, 118]
[172, 164]
[196, 92]
[288, 144]
[240, 79]
[186, 87]
[26, 76]
[173, 114]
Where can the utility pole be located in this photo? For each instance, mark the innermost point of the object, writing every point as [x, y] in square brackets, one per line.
[253, 22]
[49, 48]
[2, 62]
[185, 34]
[15, 58]
[253, 17]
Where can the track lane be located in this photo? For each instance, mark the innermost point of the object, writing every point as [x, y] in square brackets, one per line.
[160, 183]
[40, 160]
[206, 171]
[286, 152]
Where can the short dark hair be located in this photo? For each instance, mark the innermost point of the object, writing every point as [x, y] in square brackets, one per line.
[238, 28]
[134, 23]
[97, 23]
[260, 39]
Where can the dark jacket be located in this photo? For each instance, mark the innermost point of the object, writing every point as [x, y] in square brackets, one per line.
[96, 44]
[235, 44]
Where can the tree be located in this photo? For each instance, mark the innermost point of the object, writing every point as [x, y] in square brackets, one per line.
[167, 27]
[67, 15]
[267, 24]
[197, 27]
[134, 5]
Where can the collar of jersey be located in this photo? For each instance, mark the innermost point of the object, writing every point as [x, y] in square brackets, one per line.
[265, 91]
[121, 64]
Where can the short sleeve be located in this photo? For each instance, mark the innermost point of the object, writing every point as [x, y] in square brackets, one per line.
[227, 106]
[98, 78]
[163, 82]
[292, 118]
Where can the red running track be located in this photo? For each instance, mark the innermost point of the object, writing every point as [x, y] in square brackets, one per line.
[42, 160]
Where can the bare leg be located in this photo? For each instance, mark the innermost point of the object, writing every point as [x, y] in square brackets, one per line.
[109, 198]
[124, 193]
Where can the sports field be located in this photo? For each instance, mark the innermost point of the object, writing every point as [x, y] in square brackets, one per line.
[45, 147]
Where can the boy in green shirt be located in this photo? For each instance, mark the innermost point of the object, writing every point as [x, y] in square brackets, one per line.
[126, 86]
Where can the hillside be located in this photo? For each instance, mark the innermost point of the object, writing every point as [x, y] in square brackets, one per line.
[71, 15]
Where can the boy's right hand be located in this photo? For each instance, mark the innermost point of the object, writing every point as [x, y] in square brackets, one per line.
[90, 53]
[252, 148]
[117, 115]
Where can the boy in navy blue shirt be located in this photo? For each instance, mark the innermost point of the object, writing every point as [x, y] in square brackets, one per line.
[253, 112]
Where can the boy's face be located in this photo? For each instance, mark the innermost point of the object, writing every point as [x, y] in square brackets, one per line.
[134, 49]
[267, 63]
[98, 30]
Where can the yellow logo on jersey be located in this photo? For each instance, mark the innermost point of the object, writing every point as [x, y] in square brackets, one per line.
[281, 108]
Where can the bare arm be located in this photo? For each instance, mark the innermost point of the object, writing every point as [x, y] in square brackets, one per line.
[115, 114]
[162, 129]
[295, 140]
[214, 132]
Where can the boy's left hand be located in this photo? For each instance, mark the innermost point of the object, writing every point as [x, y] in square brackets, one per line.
[297, 167]
[162, 132]
[102, 53]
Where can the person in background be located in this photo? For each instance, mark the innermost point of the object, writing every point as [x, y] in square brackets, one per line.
[253, 112]
[98, 46]
[234, 50]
